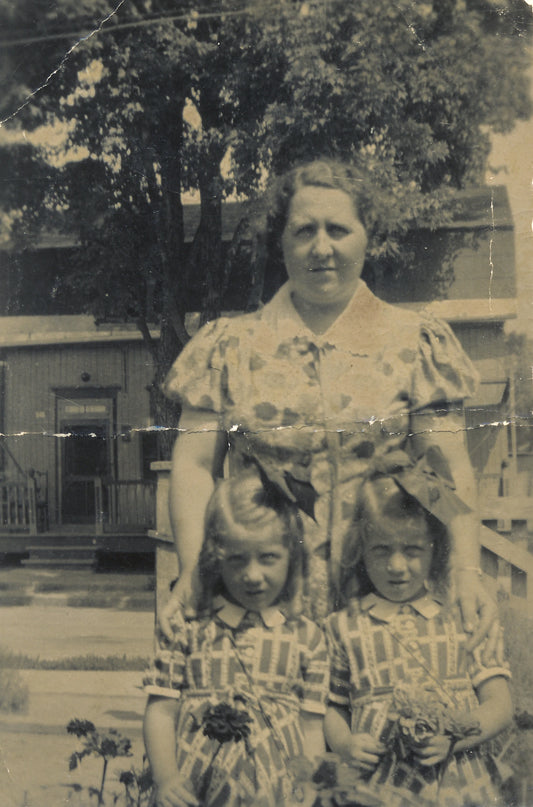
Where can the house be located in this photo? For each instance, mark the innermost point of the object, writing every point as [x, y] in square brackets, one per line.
[76, 455]
[75, 405]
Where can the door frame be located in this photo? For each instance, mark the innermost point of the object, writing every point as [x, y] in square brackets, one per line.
[86, 397]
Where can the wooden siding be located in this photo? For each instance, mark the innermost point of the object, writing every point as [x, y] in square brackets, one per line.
[35, 376]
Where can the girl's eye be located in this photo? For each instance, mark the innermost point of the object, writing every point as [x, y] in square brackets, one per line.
[380, 552]
[235, 560]
[413, 551]
[269, 557]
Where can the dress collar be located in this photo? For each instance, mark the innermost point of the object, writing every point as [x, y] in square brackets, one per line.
[232, 615]
[348, 330]
[385, 610]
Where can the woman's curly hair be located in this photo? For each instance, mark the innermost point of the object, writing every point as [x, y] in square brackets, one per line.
[321, 173]
[383, 497]
[239, 507]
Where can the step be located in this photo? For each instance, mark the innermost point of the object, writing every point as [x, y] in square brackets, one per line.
[69, 556]
[61, 552]
[59, 563]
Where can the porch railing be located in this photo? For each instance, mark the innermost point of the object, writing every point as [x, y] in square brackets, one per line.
[18, 510]
[124, 504]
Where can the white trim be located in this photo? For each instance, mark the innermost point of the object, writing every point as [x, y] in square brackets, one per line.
[72, 337]
[465, 310]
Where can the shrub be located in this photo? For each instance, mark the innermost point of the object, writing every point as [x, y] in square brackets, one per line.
[13, 691]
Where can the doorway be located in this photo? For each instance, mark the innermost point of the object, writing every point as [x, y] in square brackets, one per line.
[86, 457]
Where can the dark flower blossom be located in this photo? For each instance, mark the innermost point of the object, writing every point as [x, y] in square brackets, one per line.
[225, 723]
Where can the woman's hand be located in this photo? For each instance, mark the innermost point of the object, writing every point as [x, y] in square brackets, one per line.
[365, 752]
[181, 604]
[171, 793]
[437, 750]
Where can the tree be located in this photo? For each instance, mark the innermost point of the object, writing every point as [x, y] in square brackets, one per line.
[161, 99]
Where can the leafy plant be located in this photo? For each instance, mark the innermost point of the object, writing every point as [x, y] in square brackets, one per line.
[107, 745]
[137, 786]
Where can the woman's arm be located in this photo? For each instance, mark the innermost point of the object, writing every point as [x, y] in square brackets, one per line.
[159, 729]
[197, 460]
[449, 433]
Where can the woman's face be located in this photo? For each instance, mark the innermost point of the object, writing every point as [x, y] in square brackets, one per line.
[324, 246]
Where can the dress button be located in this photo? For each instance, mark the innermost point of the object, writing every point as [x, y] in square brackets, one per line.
[409, 624]
[248, 651]
[413, 645]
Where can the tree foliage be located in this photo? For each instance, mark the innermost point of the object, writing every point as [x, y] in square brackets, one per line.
[162, 98]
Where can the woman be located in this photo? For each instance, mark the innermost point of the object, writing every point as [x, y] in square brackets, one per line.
[315, 384]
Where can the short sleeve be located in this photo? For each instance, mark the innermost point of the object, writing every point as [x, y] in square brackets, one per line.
[166, 675]
[340, 687]
[480, 671]
[442, 372]
[197, 376]
[315, 670]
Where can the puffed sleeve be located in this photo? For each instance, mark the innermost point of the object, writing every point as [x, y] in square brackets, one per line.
[340, 687]
[480, 671]
[442, 372]
[196, 378]
[315, 669]
[166, 674]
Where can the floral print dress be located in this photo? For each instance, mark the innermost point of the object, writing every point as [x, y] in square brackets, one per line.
[272, 667]
[378, 648]
[320, 407]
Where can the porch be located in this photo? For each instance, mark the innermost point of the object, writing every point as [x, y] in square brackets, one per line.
[120, 509]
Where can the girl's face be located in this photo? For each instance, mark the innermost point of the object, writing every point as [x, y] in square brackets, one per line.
[324, 246]
[397, 557]
[254, 570]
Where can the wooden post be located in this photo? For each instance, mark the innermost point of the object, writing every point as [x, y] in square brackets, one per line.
[166, 559]
[98, 507]
[32, 506]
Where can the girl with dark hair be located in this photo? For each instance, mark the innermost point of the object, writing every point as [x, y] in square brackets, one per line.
[410, 707]
[240, 690]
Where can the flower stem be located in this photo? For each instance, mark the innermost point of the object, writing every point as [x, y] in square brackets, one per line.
[102, 783]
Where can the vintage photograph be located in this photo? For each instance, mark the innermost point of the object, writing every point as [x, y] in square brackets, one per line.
[266, 403]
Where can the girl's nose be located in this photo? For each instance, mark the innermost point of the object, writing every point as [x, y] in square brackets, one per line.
[252, 573]
[397, 563]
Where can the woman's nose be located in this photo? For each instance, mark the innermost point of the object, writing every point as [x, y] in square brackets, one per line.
[397, 563]
[322, 244]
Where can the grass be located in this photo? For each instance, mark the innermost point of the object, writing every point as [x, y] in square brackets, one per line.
[12, 599]
[98, 584]
[20, 661]
[112, 599]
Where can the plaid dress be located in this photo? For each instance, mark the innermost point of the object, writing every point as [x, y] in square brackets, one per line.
[320, 406]
[273, 667]
[376, 645]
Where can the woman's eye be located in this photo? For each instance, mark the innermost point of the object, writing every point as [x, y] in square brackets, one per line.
[337, 230]
[269, 557]
[304, 231]
[413, 551]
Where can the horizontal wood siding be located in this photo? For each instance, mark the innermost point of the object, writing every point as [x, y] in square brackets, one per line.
[33, 374]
